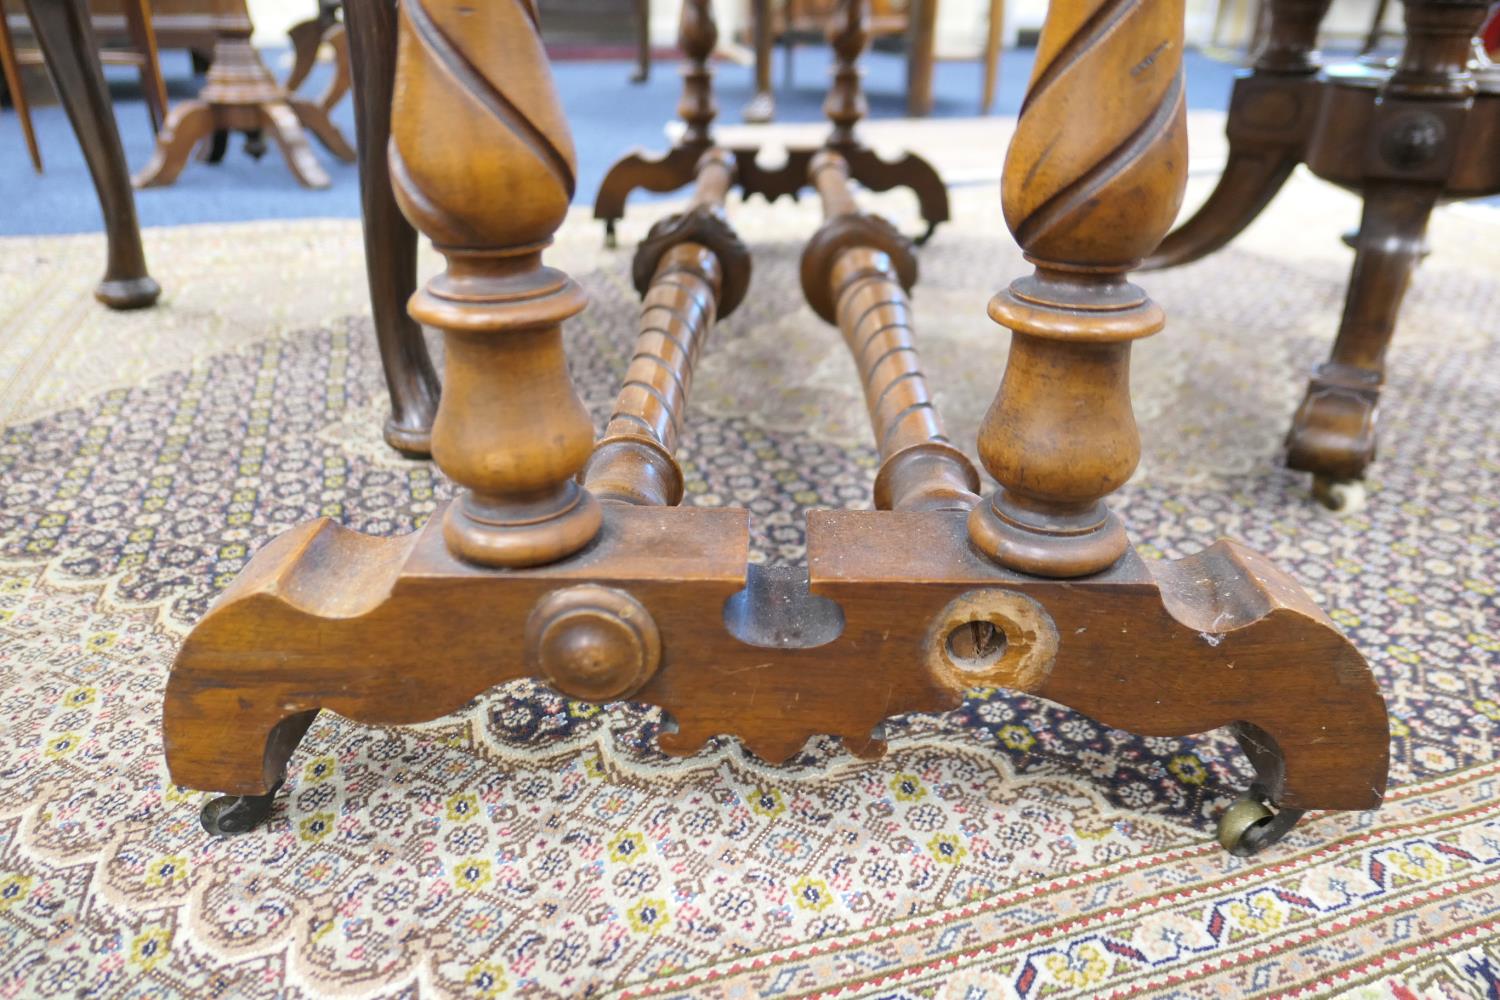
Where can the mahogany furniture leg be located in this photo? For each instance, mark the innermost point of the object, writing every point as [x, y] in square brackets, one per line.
[17, 95]
[306, 37]
[241, 95]
[1410, 156]
[66, 38]
[921, 58]
[527, 574]
[1272, 113]
[691, 270]
[993, 42]
[390, 241]
[642, 42]
[761, 108]
[856, 272]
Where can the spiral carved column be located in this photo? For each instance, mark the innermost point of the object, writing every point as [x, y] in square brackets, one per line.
[1093, 179]
[483, 163]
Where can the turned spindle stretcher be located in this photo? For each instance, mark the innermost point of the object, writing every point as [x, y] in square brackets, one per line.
[567, 559]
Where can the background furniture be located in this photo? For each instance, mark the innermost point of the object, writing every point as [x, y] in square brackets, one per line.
[528, 573]
[845, 107]
[917, 20]
[70, 53]
[1404, 138]
[241, 95]
[137, 16]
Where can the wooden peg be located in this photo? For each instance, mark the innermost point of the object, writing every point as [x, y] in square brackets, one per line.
[691, 271]
[856, 272]
[483, 163]
[1093, 179]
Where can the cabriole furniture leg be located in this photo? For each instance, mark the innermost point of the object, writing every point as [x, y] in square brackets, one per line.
[845, 107]
[390, 240]
[66, 37]
[898, 610]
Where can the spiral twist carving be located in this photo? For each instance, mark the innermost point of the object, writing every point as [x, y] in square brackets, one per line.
[481, 154]
[1096, 170]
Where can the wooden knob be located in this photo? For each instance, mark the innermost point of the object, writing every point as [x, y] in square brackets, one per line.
[592, 642]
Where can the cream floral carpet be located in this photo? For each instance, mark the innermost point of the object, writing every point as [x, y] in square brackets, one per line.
[533, 846]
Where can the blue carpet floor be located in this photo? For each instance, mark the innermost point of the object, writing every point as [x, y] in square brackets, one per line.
[609, 116]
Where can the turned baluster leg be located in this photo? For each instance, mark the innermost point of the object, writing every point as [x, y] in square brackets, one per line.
[1093, 178]
[856, 272]
[691, 271]
[510, 428]
[1419, 119]
[66, 37]
[1272, 113]
[697, 36]
[390, 241]
[846, 106]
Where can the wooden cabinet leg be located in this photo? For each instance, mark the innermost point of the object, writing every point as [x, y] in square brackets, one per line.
[390, 241]
[68, 45]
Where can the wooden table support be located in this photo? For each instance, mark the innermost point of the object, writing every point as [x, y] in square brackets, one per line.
[849, 35]
[66, 38]
[691, 271]
[241, 95]
[526, 573]
[1404, 139]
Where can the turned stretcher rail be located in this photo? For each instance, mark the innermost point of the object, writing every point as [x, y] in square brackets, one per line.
[856, 274]
[693, 270]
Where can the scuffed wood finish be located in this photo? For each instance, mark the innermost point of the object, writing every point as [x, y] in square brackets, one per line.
[241, 95]
[845, 106]
[856, 272]
[390, 241]
[1403, 138]
[483, 163]
[1216, 639]
[1093, 178]
[692, 270]
[526, 573]
[66, 38]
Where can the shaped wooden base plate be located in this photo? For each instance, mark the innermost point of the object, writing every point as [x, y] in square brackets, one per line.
[664, 608]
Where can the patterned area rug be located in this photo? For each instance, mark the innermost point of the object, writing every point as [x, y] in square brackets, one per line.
[535, 846]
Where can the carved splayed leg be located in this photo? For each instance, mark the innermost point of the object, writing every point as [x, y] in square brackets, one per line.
[1272, 112]
[697, 36]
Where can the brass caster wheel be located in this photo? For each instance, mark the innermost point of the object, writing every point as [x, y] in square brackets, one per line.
[1250, 825]
[229, 815]
[1342, 496]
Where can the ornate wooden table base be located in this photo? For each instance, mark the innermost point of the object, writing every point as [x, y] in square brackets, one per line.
[565, 560]
[241, 95]
[1403, 138]
[849, 35]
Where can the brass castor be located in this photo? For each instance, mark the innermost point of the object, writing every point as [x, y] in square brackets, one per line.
[1250, 825]
[1342, 496]
[229, 815]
